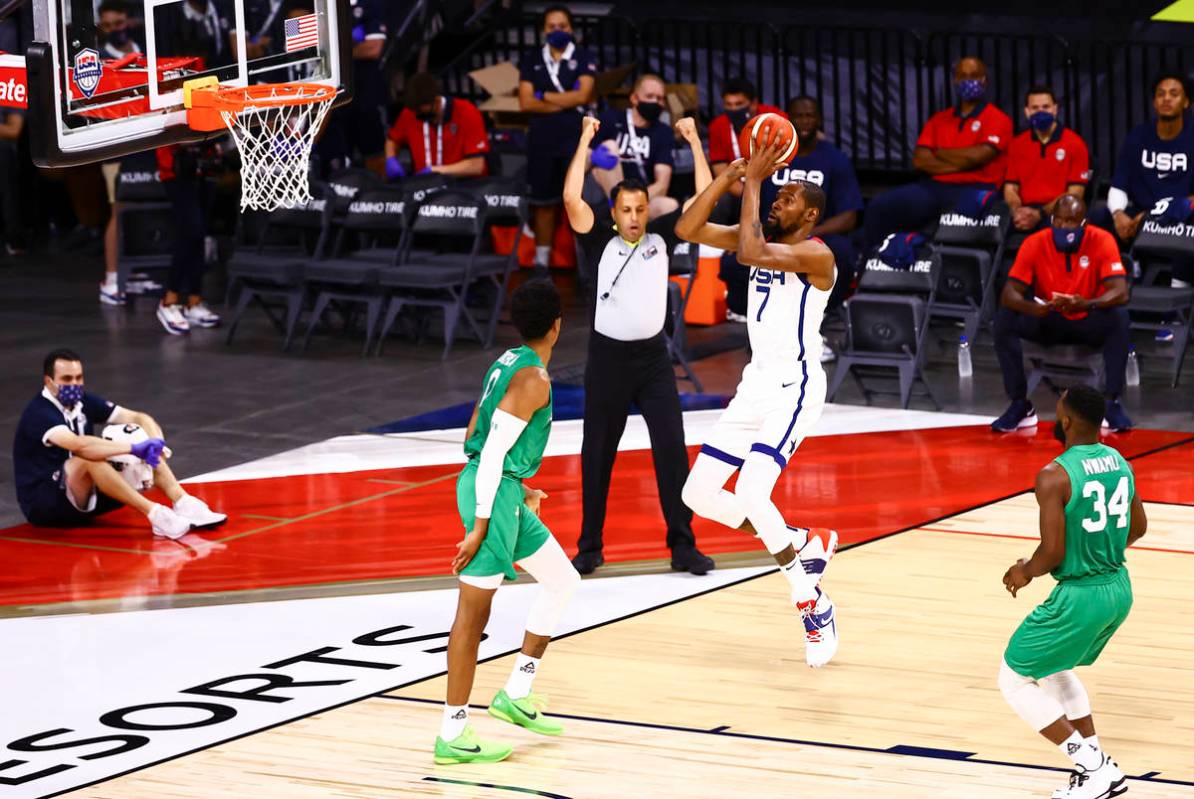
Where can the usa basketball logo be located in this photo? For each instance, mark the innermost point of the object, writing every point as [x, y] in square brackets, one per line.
[975, 125]
[1060, 154]
[88, 69]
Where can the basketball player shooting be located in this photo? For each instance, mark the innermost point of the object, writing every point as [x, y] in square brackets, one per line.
[782, 391]
[1090, 513]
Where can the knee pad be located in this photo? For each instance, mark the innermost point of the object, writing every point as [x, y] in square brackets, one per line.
[1026, 697]
[1068, 690]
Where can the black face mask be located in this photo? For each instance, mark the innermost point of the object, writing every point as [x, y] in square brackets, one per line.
[1059, 432]
[425, 116]
[117, 38]
[739, 117]
[650, 111]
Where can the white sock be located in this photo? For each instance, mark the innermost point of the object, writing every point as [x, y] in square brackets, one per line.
[1084, 755]
[109, 280]
[802, 587]
[522, 676]
[799, 537]
[1093, 741]
[455, 720]
[542, 255]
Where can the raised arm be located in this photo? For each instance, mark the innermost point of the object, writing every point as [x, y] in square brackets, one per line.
[694, 224]
[700, 164]
[580, 215]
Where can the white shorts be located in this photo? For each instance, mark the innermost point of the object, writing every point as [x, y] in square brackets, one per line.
[771, 413]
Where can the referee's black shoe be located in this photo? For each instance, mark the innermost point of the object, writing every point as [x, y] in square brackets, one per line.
[587, 562]
[691, 560]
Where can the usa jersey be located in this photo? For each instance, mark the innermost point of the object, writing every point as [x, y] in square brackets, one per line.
[783, 317]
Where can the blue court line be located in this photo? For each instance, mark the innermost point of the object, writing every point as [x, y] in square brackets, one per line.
[900, 750]
[568, 402]
[498, 787]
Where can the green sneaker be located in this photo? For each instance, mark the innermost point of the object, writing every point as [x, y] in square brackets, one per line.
[467, 748]
[526, 712]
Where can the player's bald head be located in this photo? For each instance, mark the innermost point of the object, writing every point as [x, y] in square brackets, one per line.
[1069, 209]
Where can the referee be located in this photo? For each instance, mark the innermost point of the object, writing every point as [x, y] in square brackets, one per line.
[628, 362]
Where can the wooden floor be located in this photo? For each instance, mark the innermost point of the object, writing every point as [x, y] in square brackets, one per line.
[710, 696]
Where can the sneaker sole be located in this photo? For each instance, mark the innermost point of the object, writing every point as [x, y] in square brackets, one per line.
[1027, 421]
[197, 525]
[501, 716]
[174, 331]
[205, 325]
[457, 761]
[113, 301]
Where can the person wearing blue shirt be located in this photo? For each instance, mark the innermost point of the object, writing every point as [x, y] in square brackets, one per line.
[1154, 163]
[635, 144]
[556, 87]
[61, 466]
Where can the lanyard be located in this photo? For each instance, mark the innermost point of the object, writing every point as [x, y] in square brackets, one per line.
[734, 141]
[633, 250]
[438, 160]
[553, 66]
[633, 137]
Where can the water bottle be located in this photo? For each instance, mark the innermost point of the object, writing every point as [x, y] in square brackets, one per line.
[965, 366]
[1132, 371]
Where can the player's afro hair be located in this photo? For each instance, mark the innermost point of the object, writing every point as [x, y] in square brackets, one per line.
[534, 308]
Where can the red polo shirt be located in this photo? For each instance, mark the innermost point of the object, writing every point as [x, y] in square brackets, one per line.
[1049, 271]
[722, 139]
[461, 135]
[1044, 171]
[986, 124]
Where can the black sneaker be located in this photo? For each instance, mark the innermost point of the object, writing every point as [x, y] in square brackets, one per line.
[1019, 414]
[1114, 418]
[587, 562]
[691, 560]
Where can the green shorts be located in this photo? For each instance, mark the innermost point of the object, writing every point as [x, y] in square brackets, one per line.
[1071, 627]
[514, 532]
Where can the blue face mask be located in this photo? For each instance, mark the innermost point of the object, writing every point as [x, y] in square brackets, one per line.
[1068, 239]
[739, 117]
[970, 89]
[559, 39]
[1042, 120]
[118, 38]
[70, 395]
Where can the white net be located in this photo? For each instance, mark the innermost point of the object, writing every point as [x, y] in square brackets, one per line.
[274, 134]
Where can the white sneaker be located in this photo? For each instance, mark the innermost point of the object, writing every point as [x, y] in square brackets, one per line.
[820, 631]
[202, 316]
[1103, 783]
[198, 513]
[827, 354]
[734, 317]
[172, 319]
[167, 523]
[109, 294]
[818, 549]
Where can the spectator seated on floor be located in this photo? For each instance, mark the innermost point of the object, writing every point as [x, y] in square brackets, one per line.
[635, 144]
[961, 150]
[1154, 165]
[64, 471]
[1043, 163]
[445, 135]
[1079, 292]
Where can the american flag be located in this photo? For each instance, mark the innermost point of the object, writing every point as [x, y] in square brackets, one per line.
[302, 32]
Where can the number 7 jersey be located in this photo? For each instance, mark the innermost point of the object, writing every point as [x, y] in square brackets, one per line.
[1099, 513]
[783, 317]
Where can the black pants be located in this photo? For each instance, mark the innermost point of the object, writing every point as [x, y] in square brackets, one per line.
[11, 215]
[617, 374]
[1106, 328]
[189, 205]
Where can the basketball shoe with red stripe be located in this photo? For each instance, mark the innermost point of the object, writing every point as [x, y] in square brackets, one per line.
[818, 549]
[820, 630]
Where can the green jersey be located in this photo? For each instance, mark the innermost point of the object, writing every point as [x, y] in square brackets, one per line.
[1099, 513]
[523, 459]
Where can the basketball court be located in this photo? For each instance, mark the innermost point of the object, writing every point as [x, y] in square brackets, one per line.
[299, 651]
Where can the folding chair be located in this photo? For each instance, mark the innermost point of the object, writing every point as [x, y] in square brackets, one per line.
[1155, 249]
[969, 251]
[683, 264]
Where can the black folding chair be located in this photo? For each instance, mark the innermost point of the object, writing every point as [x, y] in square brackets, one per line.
[969, 251]
[1154, 307]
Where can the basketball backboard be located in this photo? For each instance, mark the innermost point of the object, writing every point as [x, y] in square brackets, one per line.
[105, 78]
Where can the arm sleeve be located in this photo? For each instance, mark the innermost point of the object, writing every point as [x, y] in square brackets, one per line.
[472, 131]
[1079, 164]
[504, 430]
[720, 131]
[1117, 199]
[1022, 269]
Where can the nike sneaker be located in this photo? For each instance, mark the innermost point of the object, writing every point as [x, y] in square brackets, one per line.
[468, 748]
[526, 712]
[820, 630]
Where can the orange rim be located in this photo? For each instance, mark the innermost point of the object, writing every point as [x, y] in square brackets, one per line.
[236, 99]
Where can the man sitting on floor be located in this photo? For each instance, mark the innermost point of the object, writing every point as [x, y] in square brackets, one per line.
[1080, 290]
[62, 470]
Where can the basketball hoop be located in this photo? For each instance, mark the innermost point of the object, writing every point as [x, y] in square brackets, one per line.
[274, 126]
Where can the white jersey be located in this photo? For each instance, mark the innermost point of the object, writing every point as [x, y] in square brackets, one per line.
[783, 318]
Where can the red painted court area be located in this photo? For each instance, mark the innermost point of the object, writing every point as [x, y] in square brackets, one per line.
[336, 528]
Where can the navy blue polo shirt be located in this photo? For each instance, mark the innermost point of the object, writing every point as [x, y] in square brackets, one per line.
[826, 166]
[641, 148]
[556, 133]
[1150, 168]
[368, 81]
[35, 460]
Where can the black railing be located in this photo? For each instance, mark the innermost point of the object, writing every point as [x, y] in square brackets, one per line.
[876, 86]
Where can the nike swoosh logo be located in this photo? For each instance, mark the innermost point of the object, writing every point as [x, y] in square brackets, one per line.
[788, 385]
[473, 749]
[531, 716]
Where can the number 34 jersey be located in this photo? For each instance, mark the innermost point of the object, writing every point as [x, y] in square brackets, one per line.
[783, 318]
[1099, 513]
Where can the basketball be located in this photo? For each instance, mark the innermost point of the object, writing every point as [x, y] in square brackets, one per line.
[762, 130]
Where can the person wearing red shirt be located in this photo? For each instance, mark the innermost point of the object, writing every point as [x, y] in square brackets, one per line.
[962, 150]
[444, 134]
[1044, 162]
[1079, 296]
